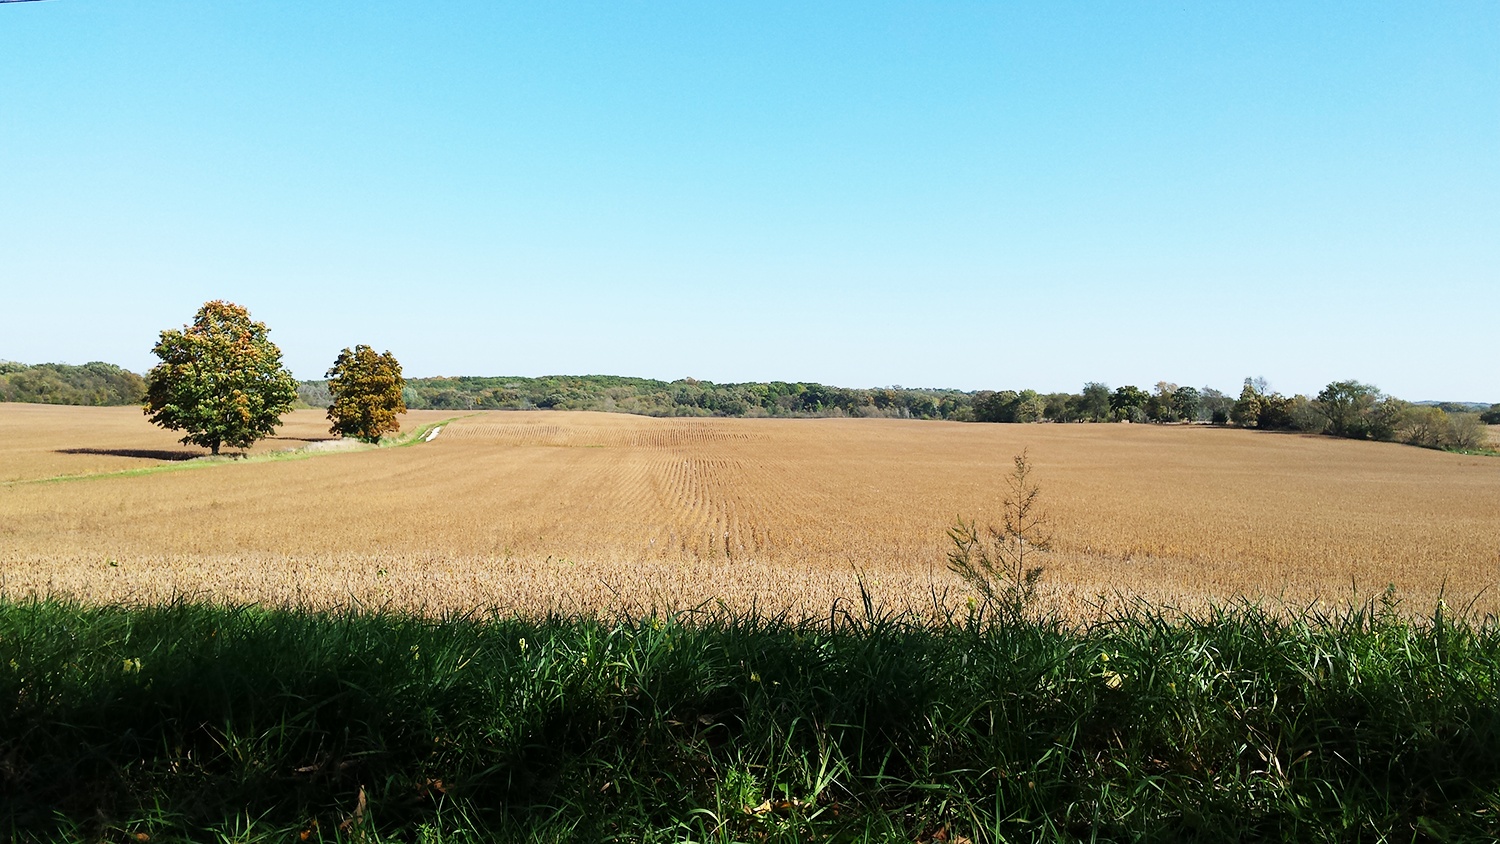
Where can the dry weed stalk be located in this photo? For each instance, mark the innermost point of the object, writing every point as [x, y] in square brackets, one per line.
[1001, 569]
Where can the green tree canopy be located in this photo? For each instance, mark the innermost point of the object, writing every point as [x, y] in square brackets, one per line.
[220, 379]
[94, 383]
[996, 406]
[1246, 411]
[1031, 407]
[1348, 406]
[1187, 402]
[1127, 400]
[1093, 402]
[367, 391]
[1159, 407]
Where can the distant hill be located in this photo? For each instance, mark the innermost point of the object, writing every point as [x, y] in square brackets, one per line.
[95, 383]
[1456, 406]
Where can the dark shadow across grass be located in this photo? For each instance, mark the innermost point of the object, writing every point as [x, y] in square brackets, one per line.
[196, 722]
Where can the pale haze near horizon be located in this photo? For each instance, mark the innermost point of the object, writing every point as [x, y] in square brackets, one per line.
[965, 195]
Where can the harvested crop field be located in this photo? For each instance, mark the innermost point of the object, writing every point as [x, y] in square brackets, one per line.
[594, 512]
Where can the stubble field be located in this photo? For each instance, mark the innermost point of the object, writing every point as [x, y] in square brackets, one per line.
[595, 512]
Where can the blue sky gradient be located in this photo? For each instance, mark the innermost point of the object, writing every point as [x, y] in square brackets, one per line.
[961, 195]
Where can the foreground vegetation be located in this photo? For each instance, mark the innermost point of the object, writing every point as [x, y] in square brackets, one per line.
[198, 722]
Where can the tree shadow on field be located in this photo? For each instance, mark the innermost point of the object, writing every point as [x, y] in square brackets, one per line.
[142, 453]
[299, 439]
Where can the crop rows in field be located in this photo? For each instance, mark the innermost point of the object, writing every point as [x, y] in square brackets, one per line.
[580, 510]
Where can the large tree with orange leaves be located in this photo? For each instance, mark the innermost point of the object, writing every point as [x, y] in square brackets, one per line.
[220, 379]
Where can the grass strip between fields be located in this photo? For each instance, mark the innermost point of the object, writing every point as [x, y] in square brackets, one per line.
[197, 722]
[410, 438]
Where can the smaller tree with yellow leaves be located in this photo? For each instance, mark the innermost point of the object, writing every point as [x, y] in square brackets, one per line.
[366, 391]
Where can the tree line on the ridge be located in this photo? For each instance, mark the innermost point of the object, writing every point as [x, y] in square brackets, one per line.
[684, 397]
[1343, 408]
[222, 380]
[1346, 408]
[692, 397]
[96, 383]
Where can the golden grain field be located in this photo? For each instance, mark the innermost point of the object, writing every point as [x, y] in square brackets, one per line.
[590, 511]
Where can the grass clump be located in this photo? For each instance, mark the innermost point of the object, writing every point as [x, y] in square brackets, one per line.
[201, 722]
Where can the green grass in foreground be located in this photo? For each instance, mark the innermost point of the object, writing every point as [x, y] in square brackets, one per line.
[196, 722]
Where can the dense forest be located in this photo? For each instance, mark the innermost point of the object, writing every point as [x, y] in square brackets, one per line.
[59, 383]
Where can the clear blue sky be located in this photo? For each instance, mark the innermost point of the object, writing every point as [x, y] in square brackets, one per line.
[989, 195]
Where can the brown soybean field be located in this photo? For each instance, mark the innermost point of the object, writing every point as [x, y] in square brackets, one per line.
[569, 511]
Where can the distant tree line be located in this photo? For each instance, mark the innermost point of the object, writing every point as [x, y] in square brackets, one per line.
[1343, 408]
[1361, 411]
[684, 397]
[59, 383]
[1098, 403]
